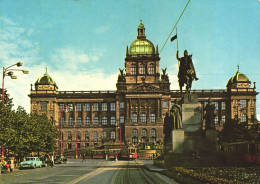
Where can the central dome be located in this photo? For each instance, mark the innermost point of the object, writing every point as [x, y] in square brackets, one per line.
[141, 45]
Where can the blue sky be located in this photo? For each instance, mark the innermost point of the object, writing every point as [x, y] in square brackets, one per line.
[83, 42]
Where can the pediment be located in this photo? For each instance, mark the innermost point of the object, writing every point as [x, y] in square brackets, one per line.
[144, 87]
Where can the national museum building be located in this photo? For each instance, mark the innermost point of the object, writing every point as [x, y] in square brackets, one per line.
[135, 111]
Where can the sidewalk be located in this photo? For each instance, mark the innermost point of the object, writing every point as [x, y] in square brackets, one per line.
[149, 165]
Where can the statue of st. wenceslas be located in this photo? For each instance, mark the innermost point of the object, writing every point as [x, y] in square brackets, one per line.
[186, 72]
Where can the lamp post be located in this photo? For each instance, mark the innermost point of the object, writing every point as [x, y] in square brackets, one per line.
[76, 143]
[61, 142]
[8, 71]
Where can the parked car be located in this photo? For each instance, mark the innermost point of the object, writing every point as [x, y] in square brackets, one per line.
[60, 160]
[31, 162]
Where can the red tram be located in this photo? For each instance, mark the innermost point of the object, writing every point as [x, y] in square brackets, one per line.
[128, 153]
[99, 153]
[113, 153]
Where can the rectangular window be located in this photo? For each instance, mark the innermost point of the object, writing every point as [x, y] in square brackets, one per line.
[87, 106]
[69, 146]
[70, 107]
[122, 119]
[104, 106]
[216, 105]
[223, 105]
[242, 103]
[61, 106]
[121, 105]
[95, 106]
[223, 119]
[78, 106]
[112, 106]
[164, 104]
[43, 106]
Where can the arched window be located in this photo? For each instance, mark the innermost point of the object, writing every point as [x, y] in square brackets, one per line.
[135, 133]
[151, 69]
[144, 135]
[79, 135]
[143, 117]
[152, 118]
[95, 120]
[79, 121]
[87, 135]
[134, 118]
[135, 136]
[113, 120]
[70, 121]
[113, 135]
[153, 135]
[104, 120]
[142, 69]
[243, 118]
[95, 135]
[133, 69]
[104, 135]
[69, 136]
[87, 120]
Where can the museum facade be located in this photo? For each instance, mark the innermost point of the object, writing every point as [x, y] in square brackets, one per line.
[135, 111]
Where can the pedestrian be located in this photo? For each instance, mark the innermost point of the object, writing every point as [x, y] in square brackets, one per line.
[12, 164]
[84, 157]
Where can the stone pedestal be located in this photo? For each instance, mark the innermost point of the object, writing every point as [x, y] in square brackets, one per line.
[211, 139]
[177, 141]
[192, 123]
[191, 113]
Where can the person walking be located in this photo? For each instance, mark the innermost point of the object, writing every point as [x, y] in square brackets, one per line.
[12, 164]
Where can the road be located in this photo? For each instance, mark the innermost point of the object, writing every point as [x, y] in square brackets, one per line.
[92, 171]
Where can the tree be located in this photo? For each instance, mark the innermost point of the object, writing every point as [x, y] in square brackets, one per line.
[234, 131]
[7, 100]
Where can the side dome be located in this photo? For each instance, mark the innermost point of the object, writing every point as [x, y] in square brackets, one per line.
[45, 80]
[239, 80]
[141, 45]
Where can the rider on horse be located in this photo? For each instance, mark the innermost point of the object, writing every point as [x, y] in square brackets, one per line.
[186, 71]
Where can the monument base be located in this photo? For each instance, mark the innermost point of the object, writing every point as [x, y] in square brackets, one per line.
[177, 141]
[211, 139]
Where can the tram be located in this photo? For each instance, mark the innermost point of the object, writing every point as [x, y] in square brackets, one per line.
[114, 153]
[101, 153]
[128, 153]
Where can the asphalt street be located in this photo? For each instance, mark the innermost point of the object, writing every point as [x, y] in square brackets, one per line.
[90, 171]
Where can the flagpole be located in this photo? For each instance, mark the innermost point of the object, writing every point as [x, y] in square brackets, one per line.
[177, 39]
[175, 26]
[177, 47]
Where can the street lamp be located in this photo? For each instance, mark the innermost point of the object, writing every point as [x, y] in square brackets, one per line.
[61, 112]
[8, 71]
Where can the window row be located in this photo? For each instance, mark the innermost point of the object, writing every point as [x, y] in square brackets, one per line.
[144, 136]
[143, 118]
[142, 69]
[95, 135]
[87, 107]
[104, 120]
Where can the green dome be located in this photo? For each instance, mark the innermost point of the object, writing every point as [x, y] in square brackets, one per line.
[238, 78]
[141, 45]
[45, 80]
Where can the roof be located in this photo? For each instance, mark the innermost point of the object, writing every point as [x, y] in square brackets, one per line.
[238, 77]
[45, 80]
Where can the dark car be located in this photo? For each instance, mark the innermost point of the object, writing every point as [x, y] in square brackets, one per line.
[60, 160]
